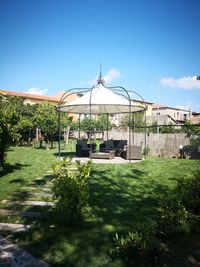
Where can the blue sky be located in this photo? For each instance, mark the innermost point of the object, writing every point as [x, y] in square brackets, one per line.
[52, 45]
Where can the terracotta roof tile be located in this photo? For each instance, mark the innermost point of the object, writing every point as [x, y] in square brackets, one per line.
[31, 96]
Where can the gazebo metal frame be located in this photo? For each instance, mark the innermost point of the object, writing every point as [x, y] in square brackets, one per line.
[118, 90]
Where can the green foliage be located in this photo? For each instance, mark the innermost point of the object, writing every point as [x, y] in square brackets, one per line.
[174, 217]
[133, 120]
[99, 123]
[25, 126]
[169, 129]
[146, 151]
[9, 118]
[190, 128]
[70, 188]
[166, 128]
[138, 248]
[189, 192]
[46, 119]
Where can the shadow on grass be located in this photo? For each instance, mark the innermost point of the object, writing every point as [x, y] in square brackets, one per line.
[127, 198]
[8, 168]
[65, 154]
[118, 199]
[17, 181]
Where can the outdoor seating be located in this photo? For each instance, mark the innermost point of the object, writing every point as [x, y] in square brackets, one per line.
[83, 148]
[116, 145]
[103, 155]
[132, 152]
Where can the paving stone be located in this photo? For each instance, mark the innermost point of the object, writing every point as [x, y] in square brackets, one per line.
[18, 258]
[28, 203]
[45, 189]
[39, 179]
[32, 214]
[14, 227]
[6, 264]
[18, 253]
[38, 184]
[32, 194]
[3, 241]
[8, 248]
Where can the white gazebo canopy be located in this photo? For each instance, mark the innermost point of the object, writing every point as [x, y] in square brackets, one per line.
[101, 100]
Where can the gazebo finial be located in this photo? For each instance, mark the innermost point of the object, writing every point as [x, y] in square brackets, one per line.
[100, 79]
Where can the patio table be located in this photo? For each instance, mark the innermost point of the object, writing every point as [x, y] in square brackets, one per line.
[102, 155]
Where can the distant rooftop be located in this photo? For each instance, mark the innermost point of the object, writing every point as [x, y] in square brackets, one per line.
[158, 106]
[55, 98]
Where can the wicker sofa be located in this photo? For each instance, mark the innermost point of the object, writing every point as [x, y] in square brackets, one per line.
[132, 152]
[83, 148]
[116, 145]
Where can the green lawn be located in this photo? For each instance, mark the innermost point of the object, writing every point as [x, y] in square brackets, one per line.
[120, 197]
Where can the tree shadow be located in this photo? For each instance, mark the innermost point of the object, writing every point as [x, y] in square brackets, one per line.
[119, 202]
[8, 168]
[192, 149]
[17, 181]
[65, 154]
[116, 203]
[24, 194]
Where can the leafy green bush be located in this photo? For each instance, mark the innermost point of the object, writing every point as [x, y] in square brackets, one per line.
[138, 248]
[174, 216]
[189, 192]
[70, 188]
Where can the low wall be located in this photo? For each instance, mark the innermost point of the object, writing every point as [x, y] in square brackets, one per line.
[157, 144]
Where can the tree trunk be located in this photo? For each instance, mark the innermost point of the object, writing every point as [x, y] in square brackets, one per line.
[41, 143]
[51, 145]
[47, 144]
[66, 134]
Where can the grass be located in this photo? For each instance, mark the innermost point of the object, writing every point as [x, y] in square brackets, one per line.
[121, 196]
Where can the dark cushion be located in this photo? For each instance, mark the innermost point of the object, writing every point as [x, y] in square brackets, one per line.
[83, 143]
[109, 143]
[122, 143]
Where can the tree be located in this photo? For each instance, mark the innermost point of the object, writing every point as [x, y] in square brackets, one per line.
[93, 124]
[9, 118]
[26, 127]
[133, 120]
[46, 118]
[102, 124]
[198, 78]
[190, 128]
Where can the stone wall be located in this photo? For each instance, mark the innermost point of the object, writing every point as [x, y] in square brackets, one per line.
[157, 144]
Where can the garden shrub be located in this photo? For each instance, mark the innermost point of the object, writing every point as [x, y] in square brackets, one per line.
[189, 192]
[137, 248]
[70, 188]
[174, 217]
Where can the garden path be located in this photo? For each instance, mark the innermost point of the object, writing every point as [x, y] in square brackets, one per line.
[10, 254]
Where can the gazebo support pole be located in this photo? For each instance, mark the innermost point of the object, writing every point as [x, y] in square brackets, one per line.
[133, 129]
[59, 133]
[90, 133]
[79, 126]
[145, 134]
[107, 125]
[129, 151]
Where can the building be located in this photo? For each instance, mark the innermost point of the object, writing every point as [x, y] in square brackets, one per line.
[195, 118]
[168, 115]
[38, 99]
